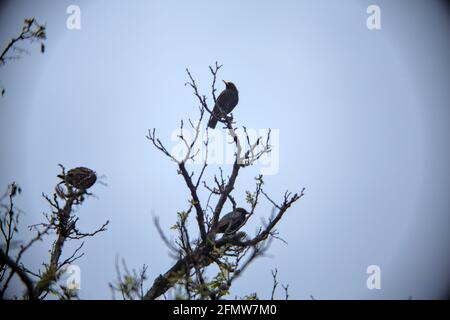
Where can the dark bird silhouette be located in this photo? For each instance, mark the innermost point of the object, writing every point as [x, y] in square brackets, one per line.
[232, 221]
[225, 103]
[81, 178]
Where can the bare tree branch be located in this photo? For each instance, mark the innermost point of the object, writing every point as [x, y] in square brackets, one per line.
[275, 283]
[32, 31]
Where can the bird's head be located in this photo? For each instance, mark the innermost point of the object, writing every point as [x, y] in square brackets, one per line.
[230, 85]
[242, 211]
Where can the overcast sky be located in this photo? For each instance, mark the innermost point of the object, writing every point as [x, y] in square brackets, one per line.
[362, 118]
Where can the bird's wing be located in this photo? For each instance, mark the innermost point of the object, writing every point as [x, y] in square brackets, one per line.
[229, 101]
[221, 95]
[220, 108]
[225, 221]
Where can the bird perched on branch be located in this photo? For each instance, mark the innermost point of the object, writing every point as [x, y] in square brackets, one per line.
[81, 178]
[225, 103]
[232, 221]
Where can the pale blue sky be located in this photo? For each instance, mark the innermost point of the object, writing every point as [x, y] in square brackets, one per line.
[363, 118]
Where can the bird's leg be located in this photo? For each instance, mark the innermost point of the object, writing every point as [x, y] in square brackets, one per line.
[231, 119]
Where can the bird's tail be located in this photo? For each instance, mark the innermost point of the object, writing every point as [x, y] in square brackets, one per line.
[212, 122]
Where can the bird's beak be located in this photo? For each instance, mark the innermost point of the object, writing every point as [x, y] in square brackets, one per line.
[225, 82]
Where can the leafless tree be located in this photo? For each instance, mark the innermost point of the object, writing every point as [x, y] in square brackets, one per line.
[231, 253]
[61, 222]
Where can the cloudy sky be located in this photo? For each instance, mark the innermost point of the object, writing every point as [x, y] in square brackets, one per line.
[362, 121]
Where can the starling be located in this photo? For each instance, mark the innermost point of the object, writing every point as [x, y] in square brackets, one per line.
[232, 221]
[225, 103]
[81, 178]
